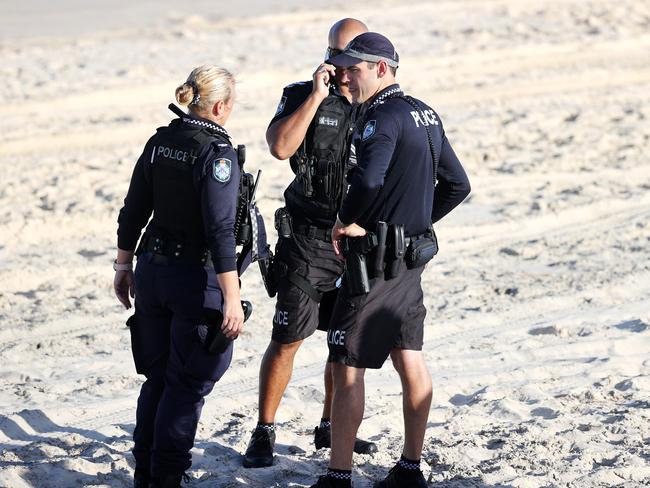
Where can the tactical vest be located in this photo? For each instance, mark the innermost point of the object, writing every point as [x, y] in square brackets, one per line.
[176, 201]
[319, 163]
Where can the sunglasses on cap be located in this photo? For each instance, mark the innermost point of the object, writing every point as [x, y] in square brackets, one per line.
[331, 52]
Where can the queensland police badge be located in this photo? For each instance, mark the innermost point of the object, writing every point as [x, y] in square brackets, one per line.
[369, 129]
[221, 169]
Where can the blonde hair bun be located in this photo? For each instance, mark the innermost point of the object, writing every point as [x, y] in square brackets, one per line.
[205, 86]
[184, 94]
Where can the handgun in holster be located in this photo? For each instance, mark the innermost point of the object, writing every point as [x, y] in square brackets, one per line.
[216, 342]
[395, 250]
[355, 250]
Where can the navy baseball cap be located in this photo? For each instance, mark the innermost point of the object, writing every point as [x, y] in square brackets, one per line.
[369, 46]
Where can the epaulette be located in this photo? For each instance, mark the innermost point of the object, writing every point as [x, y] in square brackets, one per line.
[297, 83]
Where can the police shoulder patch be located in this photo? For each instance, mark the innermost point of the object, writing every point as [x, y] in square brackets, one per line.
[221, 169]
[281, 105]
[369, 129]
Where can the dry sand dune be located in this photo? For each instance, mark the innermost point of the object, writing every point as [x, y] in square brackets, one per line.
[538, 326]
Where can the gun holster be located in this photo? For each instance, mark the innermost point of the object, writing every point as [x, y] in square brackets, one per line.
[355, 250]
[216, 341]
[269, 274]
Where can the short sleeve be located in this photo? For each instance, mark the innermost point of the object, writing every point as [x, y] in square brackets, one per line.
[293, 96]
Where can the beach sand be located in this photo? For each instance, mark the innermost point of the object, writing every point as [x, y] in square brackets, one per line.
[538, 326]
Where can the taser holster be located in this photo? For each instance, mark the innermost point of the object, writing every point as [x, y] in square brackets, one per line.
[395, 249]
[380, 251]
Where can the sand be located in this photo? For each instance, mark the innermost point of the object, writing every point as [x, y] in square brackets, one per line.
[538, 325]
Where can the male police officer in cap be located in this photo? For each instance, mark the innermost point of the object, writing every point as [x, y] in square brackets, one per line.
[312, 127]
[384, 230]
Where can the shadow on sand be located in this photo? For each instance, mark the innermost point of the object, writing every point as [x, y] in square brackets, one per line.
[45, 454]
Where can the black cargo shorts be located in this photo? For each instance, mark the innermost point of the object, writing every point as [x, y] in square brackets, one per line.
[365, 328]
[297, 315]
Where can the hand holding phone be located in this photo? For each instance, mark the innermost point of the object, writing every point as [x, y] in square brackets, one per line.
[323, 76]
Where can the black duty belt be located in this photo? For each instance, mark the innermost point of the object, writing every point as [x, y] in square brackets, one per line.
[381, 254]
[409, 239]
[168, 251]
[313, 232]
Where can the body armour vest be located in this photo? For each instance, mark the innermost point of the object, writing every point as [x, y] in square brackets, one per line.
[314, 196]
[177, 201]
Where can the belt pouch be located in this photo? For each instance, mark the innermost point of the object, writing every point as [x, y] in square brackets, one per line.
[421, 251]
[305, 175]
[283, 222]
[321, 179]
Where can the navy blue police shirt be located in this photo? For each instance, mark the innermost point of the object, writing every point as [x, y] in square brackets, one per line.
[208, 219]
[393, 179]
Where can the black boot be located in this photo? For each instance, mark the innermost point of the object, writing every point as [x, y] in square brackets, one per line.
[325, 482]
[323, 438]
[169, 481]
[141, 479]
[398, 478]
[259, 453]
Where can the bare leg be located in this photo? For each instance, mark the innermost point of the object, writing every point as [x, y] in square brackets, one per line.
[327, 404]
[347, 413]
[275, 373]
[416, 398]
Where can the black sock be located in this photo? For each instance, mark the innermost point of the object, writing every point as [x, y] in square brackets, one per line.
[270, 427]
[408, 466]
[340, 478]
[325, 423]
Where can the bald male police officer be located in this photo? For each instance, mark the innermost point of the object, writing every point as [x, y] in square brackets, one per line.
[312, 127]
[384, 230]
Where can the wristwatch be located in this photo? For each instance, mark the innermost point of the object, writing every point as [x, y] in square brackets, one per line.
[122, 266]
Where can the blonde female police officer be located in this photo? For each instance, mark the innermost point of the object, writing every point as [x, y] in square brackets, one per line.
[188, 177]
